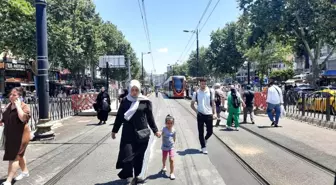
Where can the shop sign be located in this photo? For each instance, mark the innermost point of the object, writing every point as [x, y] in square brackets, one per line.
[17, 67]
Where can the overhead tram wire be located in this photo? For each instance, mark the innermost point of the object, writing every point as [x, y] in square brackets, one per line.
[145, 25]
[192, 35]
[210, 15]
[204, 24]
[149, 40]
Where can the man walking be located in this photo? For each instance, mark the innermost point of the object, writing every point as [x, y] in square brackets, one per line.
[248, 97]
[219, 101]
[206, 112]
[274, 101]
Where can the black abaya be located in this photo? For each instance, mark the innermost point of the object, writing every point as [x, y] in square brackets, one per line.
[131, 152]
[103, 105]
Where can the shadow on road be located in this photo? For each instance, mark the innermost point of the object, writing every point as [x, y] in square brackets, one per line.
[269, 127]
[115, 182]
[227, 129]
[93, 124]
[161, 174]
[335, 179]
[189, 151]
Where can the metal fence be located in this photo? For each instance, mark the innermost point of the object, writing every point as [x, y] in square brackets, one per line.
[318, 105]
[59, 108]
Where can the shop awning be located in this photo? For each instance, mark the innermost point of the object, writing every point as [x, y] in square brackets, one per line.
[329, 73]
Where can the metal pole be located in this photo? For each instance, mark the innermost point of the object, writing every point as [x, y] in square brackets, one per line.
[43, 128]
[107, 76]
[248, 72]
[197, 51]
[42, 58]
[142, 68]
[129, 70]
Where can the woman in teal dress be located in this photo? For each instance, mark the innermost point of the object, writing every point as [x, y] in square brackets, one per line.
[234, 103]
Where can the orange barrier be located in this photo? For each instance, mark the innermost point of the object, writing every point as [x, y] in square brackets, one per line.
[260, 100]
[81, 102]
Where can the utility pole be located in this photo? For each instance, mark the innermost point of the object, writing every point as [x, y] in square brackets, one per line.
[248, 72]
[43, 128]
[142, 66]
[197, 52]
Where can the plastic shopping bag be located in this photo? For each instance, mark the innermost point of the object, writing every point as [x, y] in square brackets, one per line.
[2, 138]
[283, 111]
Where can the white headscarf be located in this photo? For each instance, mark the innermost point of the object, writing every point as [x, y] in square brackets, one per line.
[135, 100]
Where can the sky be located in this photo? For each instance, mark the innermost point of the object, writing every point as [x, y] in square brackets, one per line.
[166, 21]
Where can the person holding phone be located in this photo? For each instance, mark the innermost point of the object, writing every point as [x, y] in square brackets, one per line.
[16, 135]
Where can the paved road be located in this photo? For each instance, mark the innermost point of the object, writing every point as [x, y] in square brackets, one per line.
[84, 154]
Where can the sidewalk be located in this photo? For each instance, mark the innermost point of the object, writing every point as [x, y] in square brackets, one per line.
[315, 143]
[73, 136]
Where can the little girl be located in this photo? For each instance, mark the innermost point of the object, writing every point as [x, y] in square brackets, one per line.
[168, 141]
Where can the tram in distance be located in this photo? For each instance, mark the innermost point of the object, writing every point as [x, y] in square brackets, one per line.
[174, 87]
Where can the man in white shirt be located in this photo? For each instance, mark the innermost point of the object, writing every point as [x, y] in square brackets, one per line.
[206, 112]
[274, 101]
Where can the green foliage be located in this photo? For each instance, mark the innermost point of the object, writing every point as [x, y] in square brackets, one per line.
[308, 24]
[201, 68]
[270, 53]
[77, 36]
[17, 31]
[282, 75]
[223, 55]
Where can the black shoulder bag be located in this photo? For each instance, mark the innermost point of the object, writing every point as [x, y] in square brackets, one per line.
[142, 135]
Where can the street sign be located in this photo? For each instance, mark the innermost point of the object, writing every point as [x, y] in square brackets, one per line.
[114, 61]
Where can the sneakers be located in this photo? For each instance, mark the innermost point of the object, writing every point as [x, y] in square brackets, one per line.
[172, 176]
[6, 183]
[237, 128]
[21, 176]
[164, 169]
[204, 151]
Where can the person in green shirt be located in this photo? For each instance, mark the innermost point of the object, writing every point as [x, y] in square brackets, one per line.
[234, 103]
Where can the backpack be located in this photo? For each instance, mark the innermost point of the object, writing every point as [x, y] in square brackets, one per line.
[210, 98]
[218, 99]
[235, 100]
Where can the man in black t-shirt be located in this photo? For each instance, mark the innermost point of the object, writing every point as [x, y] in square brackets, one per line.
[248, 97]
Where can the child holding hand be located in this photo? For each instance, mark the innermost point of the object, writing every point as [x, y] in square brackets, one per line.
[168, 141]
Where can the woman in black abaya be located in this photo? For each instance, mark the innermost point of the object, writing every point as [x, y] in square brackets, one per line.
[135, 113]
[103, 104]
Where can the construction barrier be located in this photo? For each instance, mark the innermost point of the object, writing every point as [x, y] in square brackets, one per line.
[81, 102]
[260, 100]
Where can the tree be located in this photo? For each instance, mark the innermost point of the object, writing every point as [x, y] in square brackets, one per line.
[310, 23]
[17, 28]
[264, 55]
[282, 75]
[200, 68]
[223, 55]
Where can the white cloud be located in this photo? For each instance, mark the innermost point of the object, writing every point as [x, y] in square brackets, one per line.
[163, 50]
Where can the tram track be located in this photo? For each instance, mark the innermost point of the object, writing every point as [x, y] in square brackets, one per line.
[244, 164]
[276, 144]
[56, 178]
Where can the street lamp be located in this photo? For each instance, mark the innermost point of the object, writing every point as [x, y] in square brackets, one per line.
[197, 48]
[142, 75]
[43, 128]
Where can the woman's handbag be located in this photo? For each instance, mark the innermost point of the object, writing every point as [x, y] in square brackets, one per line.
[142, 135]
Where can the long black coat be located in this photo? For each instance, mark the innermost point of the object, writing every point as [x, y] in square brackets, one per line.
[101, 104]
[141, 119]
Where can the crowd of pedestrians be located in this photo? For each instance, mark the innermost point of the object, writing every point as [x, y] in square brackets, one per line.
[136, 115]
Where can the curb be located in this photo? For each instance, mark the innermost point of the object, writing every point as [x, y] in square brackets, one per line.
[312, 121]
